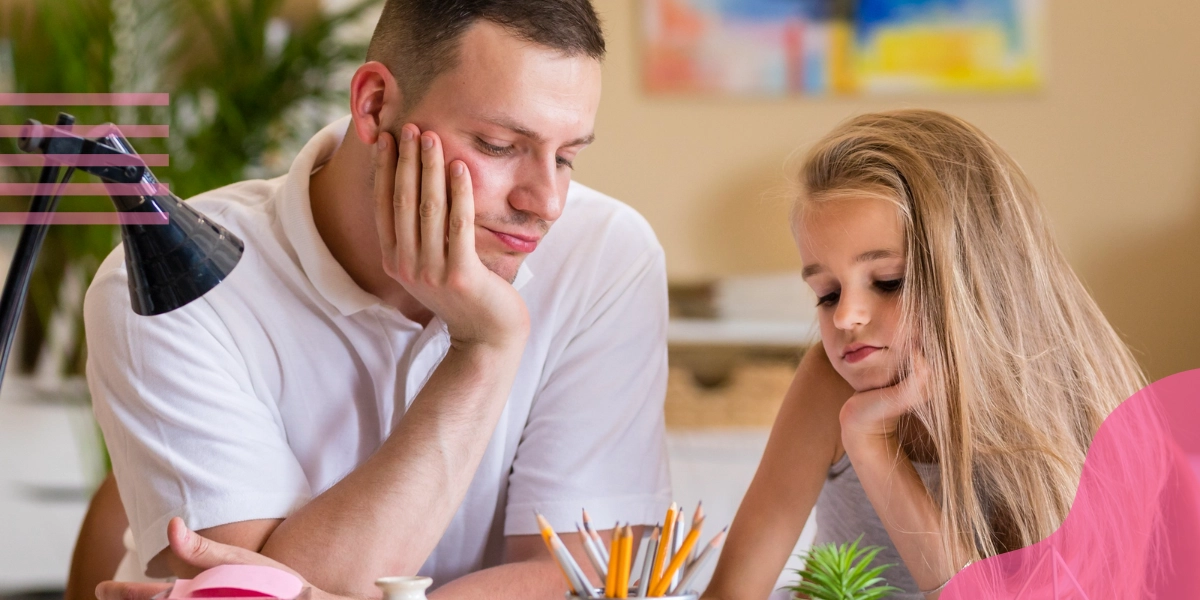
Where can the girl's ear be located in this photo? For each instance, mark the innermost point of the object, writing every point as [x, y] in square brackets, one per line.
[374, 100]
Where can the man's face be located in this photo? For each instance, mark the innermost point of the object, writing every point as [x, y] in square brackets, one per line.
[517, 114]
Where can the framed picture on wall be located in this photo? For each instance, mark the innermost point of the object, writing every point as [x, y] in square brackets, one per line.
[842, 47]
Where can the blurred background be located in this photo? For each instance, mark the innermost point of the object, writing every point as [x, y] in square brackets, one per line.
[705, 105]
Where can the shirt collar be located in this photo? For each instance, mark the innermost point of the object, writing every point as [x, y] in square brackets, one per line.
[323, 270]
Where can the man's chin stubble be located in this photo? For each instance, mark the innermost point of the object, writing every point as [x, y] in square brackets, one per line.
[499, 271]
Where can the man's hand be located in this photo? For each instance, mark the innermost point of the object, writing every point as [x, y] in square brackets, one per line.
[428, 242]
[197, 553]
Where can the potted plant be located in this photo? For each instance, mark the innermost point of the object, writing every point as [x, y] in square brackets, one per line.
[841, 572]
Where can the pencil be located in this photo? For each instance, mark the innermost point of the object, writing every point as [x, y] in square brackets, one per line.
[589, 548]
[677, 561]
[575, 576]
[700, 562]
[664, 546]
[587, 526]
[696, 518]
[681, 529]
[548, 537]
[647, 564]
[637, 547]
[610, 582]
[626, 561]
[583, 583]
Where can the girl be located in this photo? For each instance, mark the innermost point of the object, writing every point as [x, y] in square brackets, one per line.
[963, 368]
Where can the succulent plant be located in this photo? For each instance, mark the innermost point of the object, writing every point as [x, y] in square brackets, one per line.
[842, 572]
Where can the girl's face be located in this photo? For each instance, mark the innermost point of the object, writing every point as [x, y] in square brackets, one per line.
[853, 254]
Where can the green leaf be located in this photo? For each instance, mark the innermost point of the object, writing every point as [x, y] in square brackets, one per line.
[842, 572]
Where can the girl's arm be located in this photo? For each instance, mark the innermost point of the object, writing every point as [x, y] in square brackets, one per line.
[912, 518]
[803, 445]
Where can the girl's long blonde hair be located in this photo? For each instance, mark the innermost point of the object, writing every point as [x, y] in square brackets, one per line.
[1024, 367]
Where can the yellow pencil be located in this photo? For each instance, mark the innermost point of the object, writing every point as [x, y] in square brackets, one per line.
[626, 559]
[614, 555]
[664, 546]
[693, 570]
[677, 561]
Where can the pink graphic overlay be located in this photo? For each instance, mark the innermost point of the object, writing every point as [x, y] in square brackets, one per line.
[83, 189]
[85, 160]
[83, 218]
[91, 131]
[120, 99]
[1133, 530]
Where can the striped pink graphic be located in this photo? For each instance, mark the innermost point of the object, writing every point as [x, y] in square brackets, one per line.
[85, 160]
[92, 131]
[120, 99]
[83, 218]
[82, 189]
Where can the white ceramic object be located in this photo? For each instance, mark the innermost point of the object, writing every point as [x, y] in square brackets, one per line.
[403, 588]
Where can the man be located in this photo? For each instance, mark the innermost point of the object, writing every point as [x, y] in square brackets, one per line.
[408, 361]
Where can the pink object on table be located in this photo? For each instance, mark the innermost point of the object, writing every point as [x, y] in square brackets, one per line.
[1133, 530]
[239, 581]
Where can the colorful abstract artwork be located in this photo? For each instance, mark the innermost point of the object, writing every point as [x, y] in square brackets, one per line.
[842, 47]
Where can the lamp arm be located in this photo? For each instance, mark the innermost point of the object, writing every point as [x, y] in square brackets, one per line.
[16, 284]
[55, 141]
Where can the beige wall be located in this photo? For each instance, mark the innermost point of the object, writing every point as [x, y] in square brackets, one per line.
[1112, 143]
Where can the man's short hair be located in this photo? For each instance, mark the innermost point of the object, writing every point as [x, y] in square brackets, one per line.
[417, 40]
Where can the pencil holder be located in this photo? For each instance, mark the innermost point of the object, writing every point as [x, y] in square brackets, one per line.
[632, 595]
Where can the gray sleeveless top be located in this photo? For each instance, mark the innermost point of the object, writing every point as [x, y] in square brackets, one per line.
[844, 513]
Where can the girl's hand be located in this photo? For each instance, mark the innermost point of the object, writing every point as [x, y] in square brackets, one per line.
[875, 414]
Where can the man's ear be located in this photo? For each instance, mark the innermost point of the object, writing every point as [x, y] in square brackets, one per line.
[374, 100]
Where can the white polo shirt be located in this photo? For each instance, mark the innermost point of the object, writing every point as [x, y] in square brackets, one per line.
[265, 392]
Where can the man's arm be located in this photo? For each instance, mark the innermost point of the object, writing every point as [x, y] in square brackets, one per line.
[99, 549]
[527, 577]
[387, 516]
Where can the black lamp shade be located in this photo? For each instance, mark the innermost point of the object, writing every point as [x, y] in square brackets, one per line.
[172, 264]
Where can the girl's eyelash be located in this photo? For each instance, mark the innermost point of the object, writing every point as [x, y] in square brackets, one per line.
[890, 285]
[887, 286]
